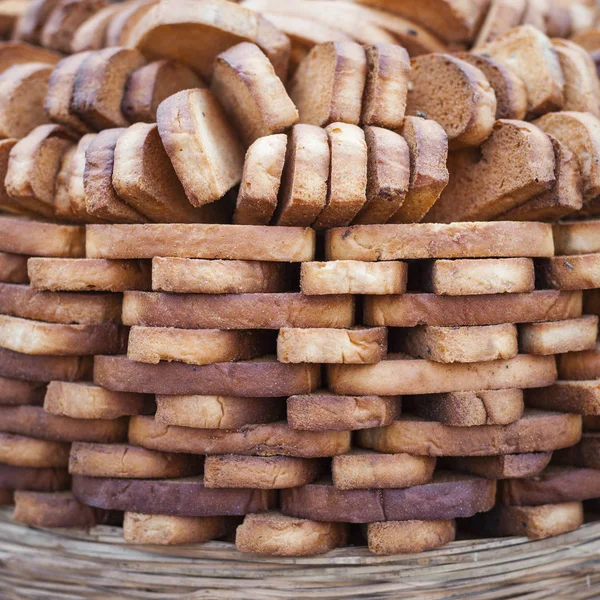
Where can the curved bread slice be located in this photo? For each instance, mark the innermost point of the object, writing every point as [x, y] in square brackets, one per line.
[46, 479]
[571, 335]
[27, 452]
[507, 466]
[62, 200]
[501, 16]
[91, 34]
[14, 391]
[579, 272]
[581, 397]
[13, 268]
[30, 23]
[43, 368]
[408, 537]
[8, 204]
[121, 26]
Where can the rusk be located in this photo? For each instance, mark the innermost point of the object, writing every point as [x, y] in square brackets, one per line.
[558, 337]
[408, 537]
[578, 272]
[43, 368]
[581, 397]
[508, 466]
[584, 454]
[580, 365]
[47, 479]
[27, 452]
[15, 391]
[13, 268]
[577, 237]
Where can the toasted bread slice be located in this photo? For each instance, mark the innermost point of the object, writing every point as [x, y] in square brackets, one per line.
[580, 365]
[507, 466]
[15, 391]
[328, 84]
[428, 149]
[571, 335]
[125, 21]
[261, 180]
[8, 204]
[203, 147]
[62, 200]
[149, 85]
[13, 268]
[408, 537]
[584, 454]
[501, 16]
[30, 478]
[26, 452]
[29, 26]
[162, 32]
[246, 85]
[577, 237]
[17, 53]
[581, 397]
[579, 272]
[91, 34]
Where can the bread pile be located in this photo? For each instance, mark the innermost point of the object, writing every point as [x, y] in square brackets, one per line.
[314, 301]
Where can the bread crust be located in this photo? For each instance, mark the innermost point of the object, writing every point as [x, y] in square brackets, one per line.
[91, 34]
[407, 537]
[508, 466]
[584, 454]
[579, 272]
[582, 365]
[15, 391]
[47, 479]
[44, 368]
[581, 397]
[13, 268]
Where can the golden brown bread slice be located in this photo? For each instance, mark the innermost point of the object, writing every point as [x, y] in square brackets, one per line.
[13, 268]
[88, 274]
[529, 54]
[30, 24]
[62, 200]
[169, 30]
[581, 397]
[202, 145]
[91, 34]
[507, 466]
[253, 96]
[261, 180]
[469, 117]
[8, 204]
[428, 150]
[577, 237]
[328, 84]
[15, 391]
[408, 537]
[15, 53]
[303, 192]
[83, 400]
[501, 16]
[30, 478]
[277, 535]
[149, 85]
[578, 272]
[122, 24]
[512, 166]
[571, 335]
[22, 451]
[584, 454]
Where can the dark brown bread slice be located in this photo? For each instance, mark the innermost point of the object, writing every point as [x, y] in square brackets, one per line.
[31, 22]
[577, 237]
[269, 439]
[591, 423]
[509, 466]
[571, 335]
[581, 397]
[408, 537]
[182, 497]
[579, 272]
[501, 16]
[21, 451]
[91, 34]
[8, 204]
[257, 378]
[13, 268]
[537, 431]
[15, 391]
[43, 368]
[47, 479]
[580, 365]
[236, 311]
[448, 496]
[585, 454]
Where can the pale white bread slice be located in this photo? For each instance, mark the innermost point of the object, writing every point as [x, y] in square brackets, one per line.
[468, 118]
[551, 16]
[170, 30]
[101, 198]
[580, 132]
[506, 466]
[202, 145]
[428, 150]
[512, 166]
[13, 268]
[149, 85]
[388, 175]
[58, 30]
[88, 274]
[15, 53]
[353, 277]
[122, 24]
[347, 189]
[278, 535]
[8, 204]
[332, 346]
[469, 409]
[511, 96]
[253, 96]
[583, 16]
[459, 344]
[501, 16]
[578, 272]
[22, 451]
[529, 53]
[304, 187]
[571, 335]
[577, 237]
[328, 84]
[31, 22]
[435, 240]
[144, 178]
[261, 179]
[100, 85]
[402, 374]
[581, 397]
[91, 34]
[228, 242]
[409, 537]
[22, 92]
[198, 276]
[33, 167]
[537, 13]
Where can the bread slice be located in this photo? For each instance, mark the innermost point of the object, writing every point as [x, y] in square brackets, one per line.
[362, 469]
[91, 34]
[31, 22]
[516, 163]
[581, 397]
[62, 200]
[101, 198]
[324, 411]
[149, 85]
[558, 337]
[43, 368]
[508, 466]
[26, 452]
[22, 93]
[479, 276]
[469, 409]
[577, 237]
[17, 53]
[388, 175]
[408, 537]
[584, 454]
[537, 431]
[82, 400]
[353, 277]
[203, 147]
[591, 301]
[581, 365]
[529, 54]
[33, 479]
[269, 439]
[229, 242]
[501, 16]
[217, 412]
[459, 344]
[261, 178]
[198, 276]
[88, 274]
[427, 240]
[277, 535]
[587, 38]
[469, 118]
[259, 472]
[33, 167]
[8, 204]
[237, 311]
[13, 268]
[14, 391]
[306, 174]
[578, 272]
[125, 461]
[328, 84]
[169, 30]
[38, 238]
[253, 96]
[428, 152]
[122, 24]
